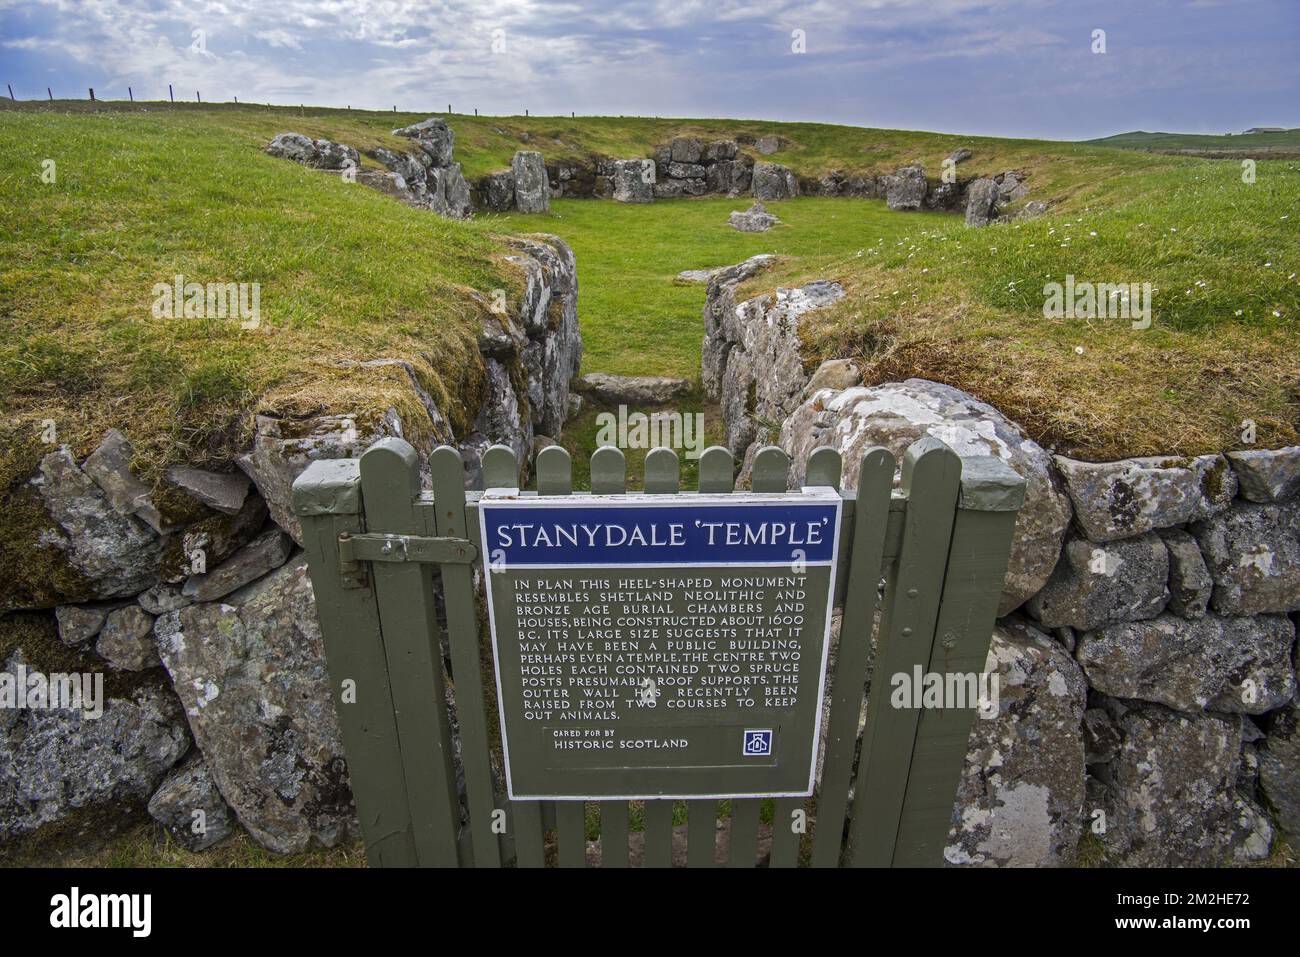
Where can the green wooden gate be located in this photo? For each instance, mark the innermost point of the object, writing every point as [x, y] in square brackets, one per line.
[919, 579]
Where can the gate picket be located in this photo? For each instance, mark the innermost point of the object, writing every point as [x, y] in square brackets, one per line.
[448, 520]
[871, 519]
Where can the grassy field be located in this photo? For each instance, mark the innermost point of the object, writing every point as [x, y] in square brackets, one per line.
[1142, 140]
[149, 191]
[930, 298]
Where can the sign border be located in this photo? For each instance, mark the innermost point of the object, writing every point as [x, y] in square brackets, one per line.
[514, 498]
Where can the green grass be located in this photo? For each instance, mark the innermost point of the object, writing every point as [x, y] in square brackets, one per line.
[930, 298]
[1140, 139]
[637, 319]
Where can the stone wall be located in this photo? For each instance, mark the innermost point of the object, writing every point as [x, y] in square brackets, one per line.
[1146, 647]
[194, 599]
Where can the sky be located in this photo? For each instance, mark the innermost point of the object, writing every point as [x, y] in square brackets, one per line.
[1036, 68]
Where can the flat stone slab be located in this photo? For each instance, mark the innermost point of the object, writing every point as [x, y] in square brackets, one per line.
[633, 389]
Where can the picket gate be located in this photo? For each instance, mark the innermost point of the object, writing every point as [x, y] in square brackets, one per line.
[920, 568]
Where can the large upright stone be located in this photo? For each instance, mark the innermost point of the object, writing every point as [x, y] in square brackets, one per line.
[905, 188]
[1119, 499]
[634, 181]
[54, 763]
[1253, 554]
[434, 137]
[1021, 794]
[1099, 584]
[532, 187]
[982, 197]
[1171, 799]
[500, 191]
[250, 671]
[896, 414]
[773, 181]
[1238, 665]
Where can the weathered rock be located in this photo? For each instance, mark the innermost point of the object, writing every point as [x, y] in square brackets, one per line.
[318, 154]
[204, 544]
[719, 313]
[1190, 583]
[1267, 476]
[959, 155]
[905, 188]
[500, 191]
[56, 762]
[263, 554]
[455, 191]
[115, 554]
[773, 181]
[634, 181]
[686, 170]
[500, 421]
[1253, 554]
[223, 491]
[1010, 188]
[1279, 769]
[633, 389]
[1220, 664]
[834, 374]
[721, 150]
[549, 313]
[896, 414]
[756, 219]
[763, 378]
[1032, 210]
[1170, 801]
[190, 807]
[1095, 585]
[79, 623]
[283, 448]
[982, 199]
[1022, 789]
[250, 671]
[532, 188]
[695, 275]
[293, 146]
[1119, 499]
[162, 598]
[126, 640]
[732, 177]
[767, 145]
[110, 468]
[434, 137]
[686, 149]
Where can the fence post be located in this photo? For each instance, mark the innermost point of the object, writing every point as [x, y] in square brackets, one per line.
[327, 499]
[991, 495]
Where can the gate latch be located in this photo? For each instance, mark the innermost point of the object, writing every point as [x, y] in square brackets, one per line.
[373, 547]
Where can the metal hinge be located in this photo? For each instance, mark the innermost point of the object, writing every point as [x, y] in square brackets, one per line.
[403, 548]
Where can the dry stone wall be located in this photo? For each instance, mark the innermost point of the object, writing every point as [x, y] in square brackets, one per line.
[208, 612]
[1146, 648]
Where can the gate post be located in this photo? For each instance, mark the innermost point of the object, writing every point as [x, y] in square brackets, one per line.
[991, 496]
[327, 500]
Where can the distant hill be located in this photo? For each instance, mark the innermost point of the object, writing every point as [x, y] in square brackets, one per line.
[1197, 142]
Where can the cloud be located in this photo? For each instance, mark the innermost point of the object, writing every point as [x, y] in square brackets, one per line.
[919, 63]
